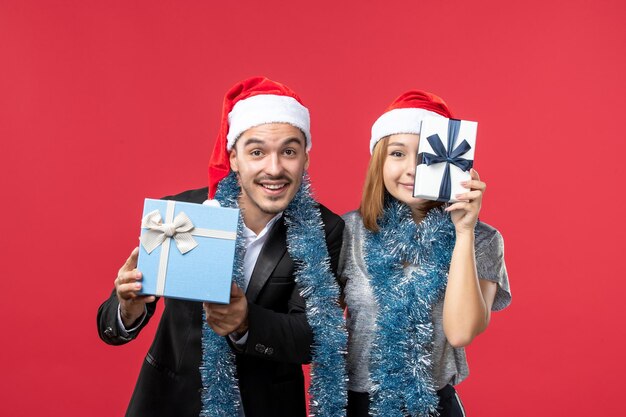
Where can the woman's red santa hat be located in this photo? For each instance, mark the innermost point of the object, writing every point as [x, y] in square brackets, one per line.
[249, 103]
[405, 115]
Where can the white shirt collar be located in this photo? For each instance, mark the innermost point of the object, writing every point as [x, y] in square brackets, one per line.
[248, 234]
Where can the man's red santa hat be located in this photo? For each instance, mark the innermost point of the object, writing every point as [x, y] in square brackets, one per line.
[249, 103]
[405, 115]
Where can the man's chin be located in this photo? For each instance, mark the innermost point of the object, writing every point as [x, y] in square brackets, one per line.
[273, 208]
[275, 205]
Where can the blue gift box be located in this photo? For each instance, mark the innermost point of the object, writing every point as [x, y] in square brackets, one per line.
[187, 250]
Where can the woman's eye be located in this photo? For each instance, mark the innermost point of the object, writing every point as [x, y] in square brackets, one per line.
[396, 154]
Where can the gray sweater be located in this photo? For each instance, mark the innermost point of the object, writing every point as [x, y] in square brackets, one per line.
[449, 364]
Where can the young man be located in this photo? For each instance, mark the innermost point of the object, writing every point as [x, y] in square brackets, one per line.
[288, 300]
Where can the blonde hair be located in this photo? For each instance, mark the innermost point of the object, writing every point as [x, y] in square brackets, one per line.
[373, 198]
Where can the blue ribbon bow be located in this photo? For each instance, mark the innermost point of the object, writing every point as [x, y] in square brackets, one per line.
[451, 155]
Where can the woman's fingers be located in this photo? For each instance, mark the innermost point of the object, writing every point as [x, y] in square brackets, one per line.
[460, 205]
[472, 195]
[474, 185]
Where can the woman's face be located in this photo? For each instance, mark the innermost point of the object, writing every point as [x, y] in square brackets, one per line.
[399, 168]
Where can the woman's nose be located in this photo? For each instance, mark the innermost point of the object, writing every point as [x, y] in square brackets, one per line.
[411, 164]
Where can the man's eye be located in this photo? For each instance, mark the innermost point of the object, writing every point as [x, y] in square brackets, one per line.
[255, 153]
[290, 152]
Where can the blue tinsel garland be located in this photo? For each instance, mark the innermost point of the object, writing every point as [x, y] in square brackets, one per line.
[307, 247]
[401, 367]
[220, 390]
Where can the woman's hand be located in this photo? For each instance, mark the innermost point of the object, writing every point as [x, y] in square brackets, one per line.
[468, 300]
[465, 213]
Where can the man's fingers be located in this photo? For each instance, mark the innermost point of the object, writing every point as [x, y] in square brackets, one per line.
[147, 298]
[214, 311]
[132, 298]
[221, 309]
[216, 315]
[223, 313]
[235, 291]
[128, 291]
[127, 277]
[219, 328]
[131, 262]
[214, 319]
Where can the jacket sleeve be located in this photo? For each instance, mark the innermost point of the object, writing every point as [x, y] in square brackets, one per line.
[287, 337]
[108, 328]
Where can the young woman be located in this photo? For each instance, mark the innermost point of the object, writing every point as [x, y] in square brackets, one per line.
[420, 278]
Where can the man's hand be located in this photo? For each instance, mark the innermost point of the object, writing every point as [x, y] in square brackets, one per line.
[225, 319]
[132, 306]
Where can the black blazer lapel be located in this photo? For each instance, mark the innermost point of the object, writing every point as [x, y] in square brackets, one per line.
[273, 250]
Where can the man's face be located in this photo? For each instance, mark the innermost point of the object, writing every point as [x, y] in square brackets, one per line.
[270, 160]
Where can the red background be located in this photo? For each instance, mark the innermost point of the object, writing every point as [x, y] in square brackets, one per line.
[103, 103]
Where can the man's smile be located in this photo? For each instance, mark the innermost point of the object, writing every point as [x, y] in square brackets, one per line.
[274, 188]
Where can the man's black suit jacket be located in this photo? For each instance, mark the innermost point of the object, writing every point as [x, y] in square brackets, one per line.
[268, 366]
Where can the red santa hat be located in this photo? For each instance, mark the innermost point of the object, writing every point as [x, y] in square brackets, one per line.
[405, 115]
[249, 103]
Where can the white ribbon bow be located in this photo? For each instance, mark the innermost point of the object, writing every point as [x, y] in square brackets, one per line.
[179, 230]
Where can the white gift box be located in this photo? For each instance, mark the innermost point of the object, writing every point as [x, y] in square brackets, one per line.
[445, 145]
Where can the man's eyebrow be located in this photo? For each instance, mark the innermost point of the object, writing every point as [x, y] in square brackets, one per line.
[252, 141]
[286, 142]
[291, 140]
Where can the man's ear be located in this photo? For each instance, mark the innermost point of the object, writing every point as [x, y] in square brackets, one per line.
[306, 162]
[233, 160]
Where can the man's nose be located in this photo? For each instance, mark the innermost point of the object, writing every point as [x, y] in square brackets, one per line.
[274, 166]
